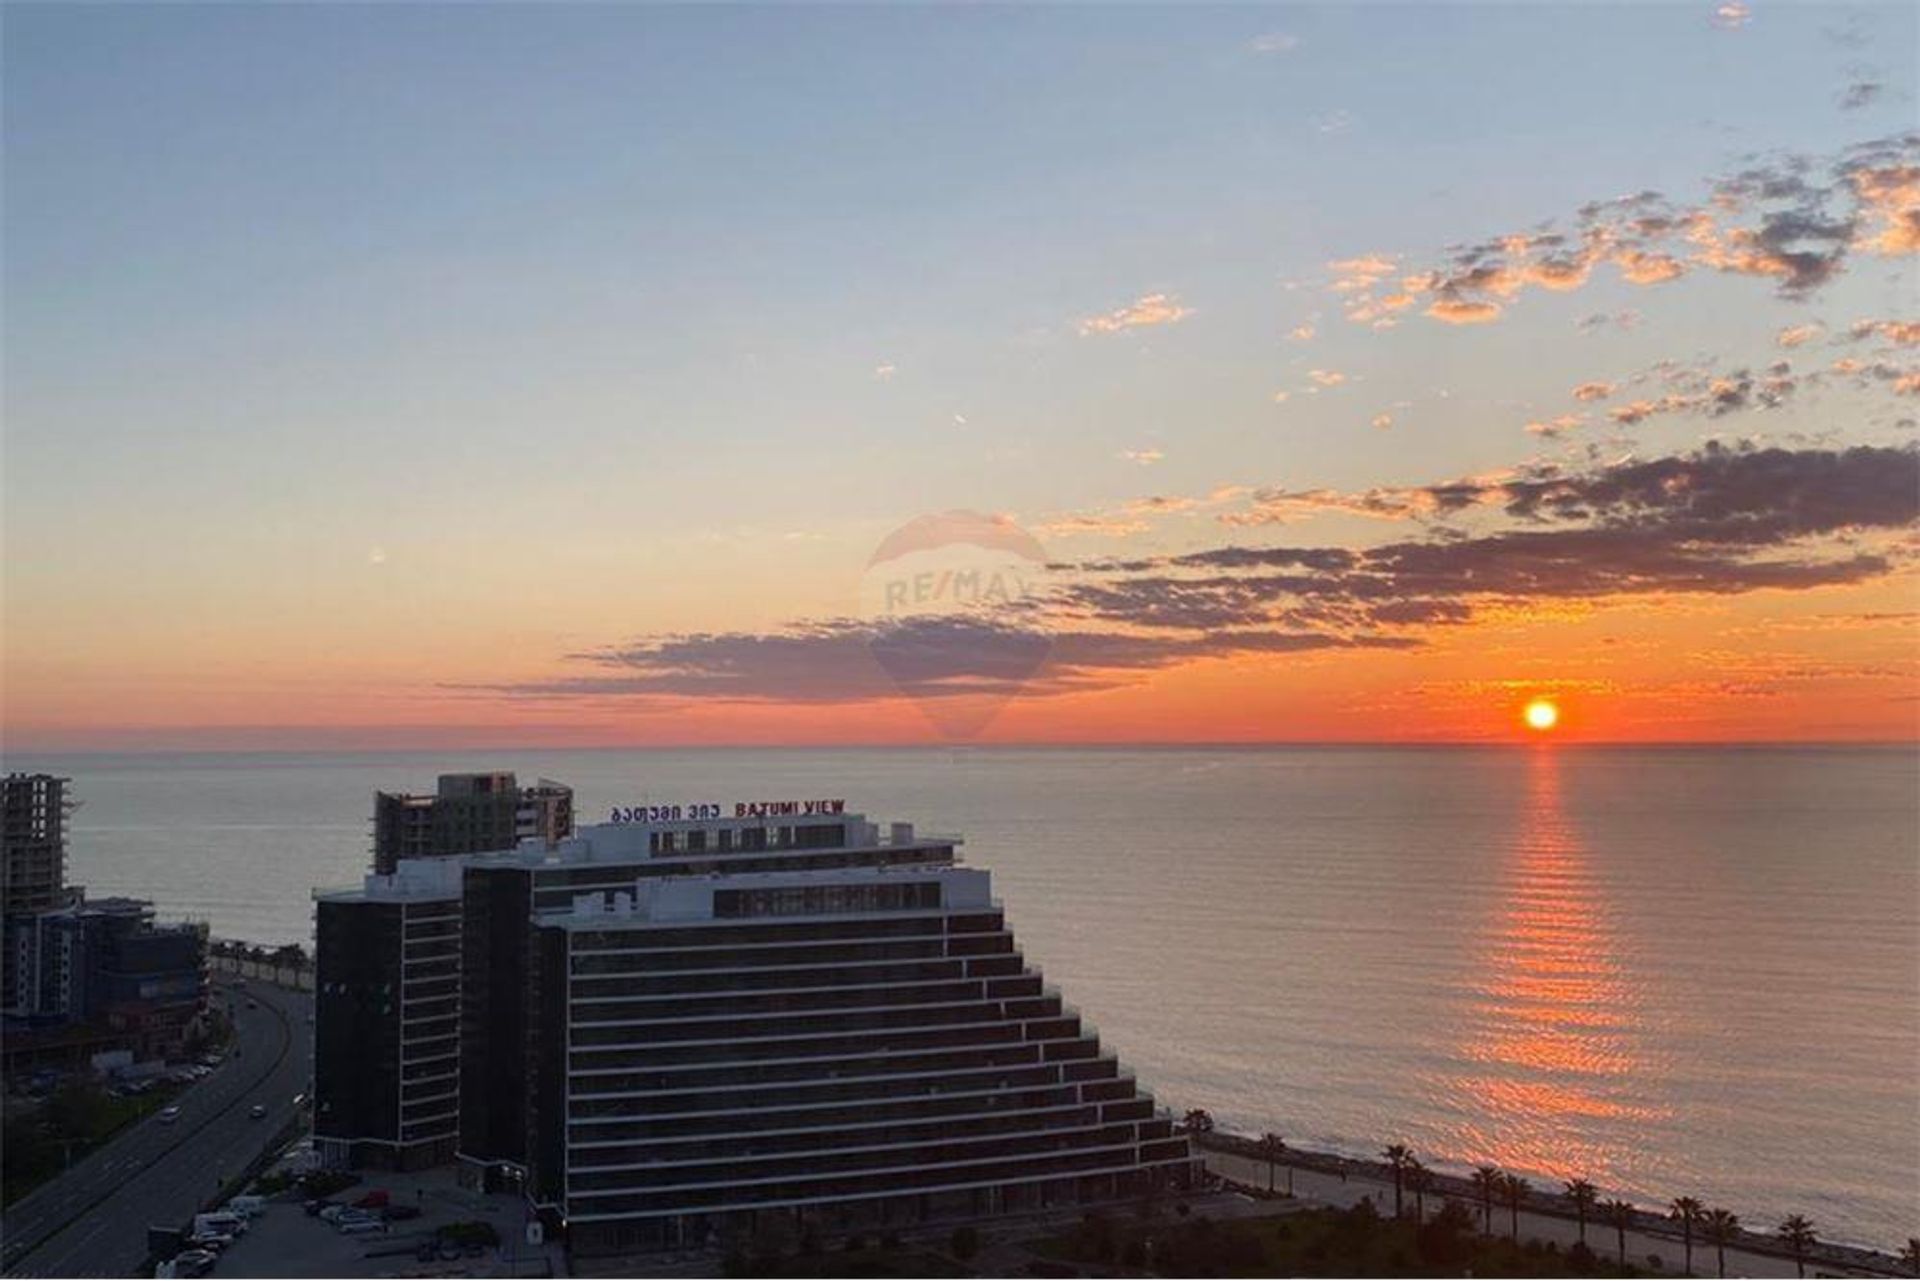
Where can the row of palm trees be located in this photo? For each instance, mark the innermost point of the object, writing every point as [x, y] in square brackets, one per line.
[1719, 1227]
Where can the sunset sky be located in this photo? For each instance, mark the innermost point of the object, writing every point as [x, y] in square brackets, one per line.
[454, 375]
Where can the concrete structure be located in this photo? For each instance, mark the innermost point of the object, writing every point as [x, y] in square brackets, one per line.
[465, 814]
[33, 861]
[387, 995]
[676, 1030]
[104, 962]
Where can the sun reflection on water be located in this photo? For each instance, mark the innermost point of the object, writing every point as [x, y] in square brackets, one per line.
[1550, 1030]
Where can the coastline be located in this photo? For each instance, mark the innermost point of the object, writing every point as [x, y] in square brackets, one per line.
[1543, 1201]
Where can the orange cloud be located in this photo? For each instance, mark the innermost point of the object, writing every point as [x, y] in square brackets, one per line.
[1146, 310]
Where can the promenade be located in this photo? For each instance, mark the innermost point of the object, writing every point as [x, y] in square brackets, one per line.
[1643, 1244]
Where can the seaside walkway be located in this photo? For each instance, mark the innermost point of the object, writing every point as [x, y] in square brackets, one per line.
[1317, 1185]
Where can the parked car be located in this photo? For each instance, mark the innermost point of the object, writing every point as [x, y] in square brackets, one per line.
[359, 1227]
[315, 1205]
[330, 1211]
[169, 1114]
[373, 1200]
[211, 1242]
[193, 1263]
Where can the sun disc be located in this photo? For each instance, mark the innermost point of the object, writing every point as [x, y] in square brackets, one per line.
[1542, 715]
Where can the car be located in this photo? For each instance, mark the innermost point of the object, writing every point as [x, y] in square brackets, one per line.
[314, 1205]
[193, 1263]
[359, 1226]
[374, 1199]
[257, 1111]
[331, 1211]
[169, 1114]
[211, 1242]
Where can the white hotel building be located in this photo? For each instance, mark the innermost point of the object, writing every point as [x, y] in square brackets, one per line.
[671, 1030]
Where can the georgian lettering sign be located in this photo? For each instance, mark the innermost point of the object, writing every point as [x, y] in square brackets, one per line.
[712, 810]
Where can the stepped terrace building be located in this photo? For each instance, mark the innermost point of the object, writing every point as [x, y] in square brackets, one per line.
[677, 1030]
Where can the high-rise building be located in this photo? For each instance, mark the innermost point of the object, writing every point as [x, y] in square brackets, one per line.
[33, 863]
[467, 813]
[105, 961]
[386, 1005]
[673, 1029]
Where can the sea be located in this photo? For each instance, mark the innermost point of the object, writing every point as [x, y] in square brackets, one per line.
[1669, 970]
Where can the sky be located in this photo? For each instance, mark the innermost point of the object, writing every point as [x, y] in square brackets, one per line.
[450, 376]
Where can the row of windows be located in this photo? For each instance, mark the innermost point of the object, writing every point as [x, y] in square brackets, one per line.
[893, 1181]
[827, 900]
[830, 1046]
[666, 1009]
[807, 1165]
[788, 1025]
[808, 1070]
[713, 1148]
[641, 938]
[833, 1115]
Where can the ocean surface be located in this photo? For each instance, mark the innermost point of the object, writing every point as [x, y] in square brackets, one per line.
[1672, 971]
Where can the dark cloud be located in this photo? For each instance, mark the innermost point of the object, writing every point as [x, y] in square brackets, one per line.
[1790, 219]
[1862, 93]
[1723, 520]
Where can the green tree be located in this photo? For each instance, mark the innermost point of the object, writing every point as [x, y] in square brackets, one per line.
[1797, 1235]
[1620, 1215]
[1397, 1156]
[1721, 1226]
[1687, 1211]
[1486, 1181]
[1583, 1195]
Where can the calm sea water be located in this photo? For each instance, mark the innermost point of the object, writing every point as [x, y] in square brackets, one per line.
[1667, 970]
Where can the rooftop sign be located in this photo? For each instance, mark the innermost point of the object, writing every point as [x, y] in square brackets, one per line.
[711, 810]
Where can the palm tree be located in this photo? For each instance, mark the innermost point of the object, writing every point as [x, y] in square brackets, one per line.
[1199, 1121]
[1721, 1227]
[1910, 1255]
[1272, 1148]
[1688, 1211]
[1397, 1156]
[1486, 1181]
[1797, 1234]
[1420, 1179]
[1516, 1189]
[1620, 1215]
[1583, 1195]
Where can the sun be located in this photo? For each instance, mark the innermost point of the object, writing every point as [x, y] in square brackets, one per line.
[1541, 715]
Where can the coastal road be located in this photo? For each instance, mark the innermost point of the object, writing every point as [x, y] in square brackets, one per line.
[93, 1219]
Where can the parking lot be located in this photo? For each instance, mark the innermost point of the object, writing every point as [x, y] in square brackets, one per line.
[284, 1241]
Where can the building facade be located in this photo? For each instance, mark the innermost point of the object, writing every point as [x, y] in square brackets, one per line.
[465, 814]
[386, 1019]
[33, 864]
[105, 962]
[678, 1031]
